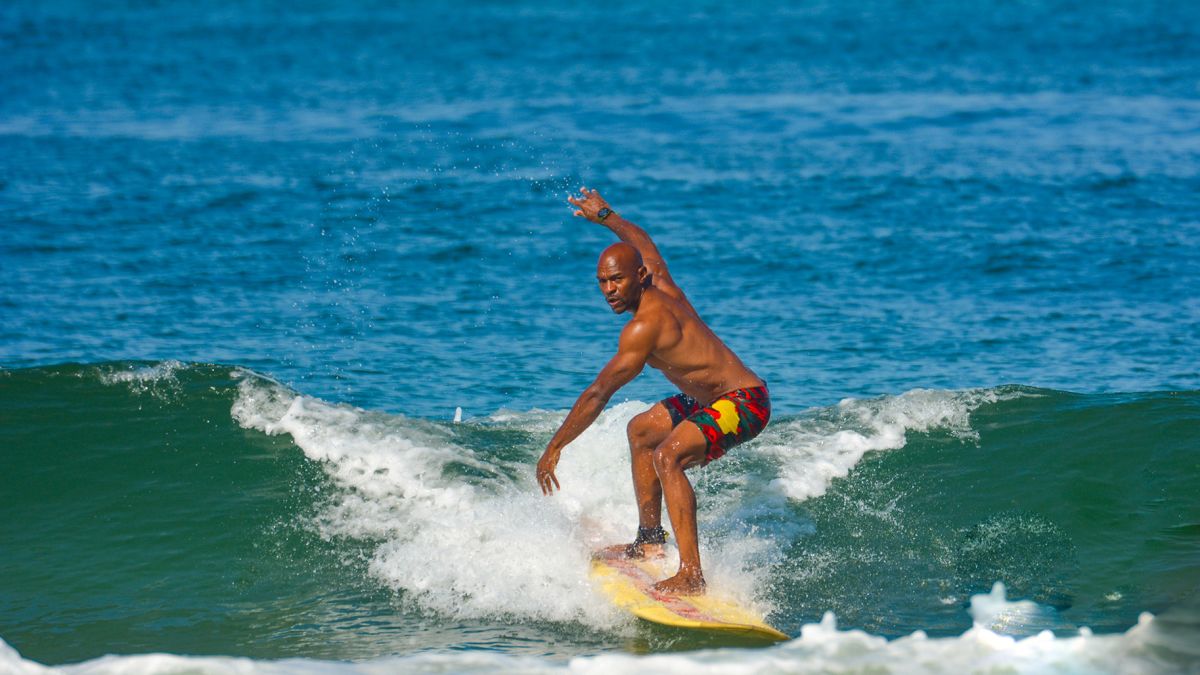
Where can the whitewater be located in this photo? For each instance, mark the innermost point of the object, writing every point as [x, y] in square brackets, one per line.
[407, 492]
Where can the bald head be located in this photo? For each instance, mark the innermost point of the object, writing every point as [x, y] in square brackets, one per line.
[625, 257]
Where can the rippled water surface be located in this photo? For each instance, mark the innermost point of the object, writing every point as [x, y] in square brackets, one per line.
[975, 221]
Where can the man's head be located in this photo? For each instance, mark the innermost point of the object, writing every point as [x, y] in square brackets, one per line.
[622, 277]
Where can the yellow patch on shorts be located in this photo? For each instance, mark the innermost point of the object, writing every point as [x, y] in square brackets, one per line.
[729, 420]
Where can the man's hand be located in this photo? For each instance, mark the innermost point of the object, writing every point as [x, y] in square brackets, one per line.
[545, 472]
[589, 204]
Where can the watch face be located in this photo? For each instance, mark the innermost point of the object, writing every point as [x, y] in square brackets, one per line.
[604, 213]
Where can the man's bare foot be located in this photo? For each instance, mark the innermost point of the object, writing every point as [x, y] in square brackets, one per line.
[683, 583]
[632, 552]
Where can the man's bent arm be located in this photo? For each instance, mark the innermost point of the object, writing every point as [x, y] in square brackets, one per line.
[587, 408]
[635, 347]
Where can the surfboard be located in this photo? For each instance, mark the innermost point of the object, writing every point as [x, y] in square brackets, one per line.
[630, 586]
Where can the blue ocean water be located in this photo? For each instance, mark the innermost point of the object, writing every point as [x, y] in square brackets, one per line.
[949, 235]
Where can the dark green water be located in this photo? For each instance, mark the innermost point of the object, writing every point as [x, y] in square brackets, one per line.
[139, 514]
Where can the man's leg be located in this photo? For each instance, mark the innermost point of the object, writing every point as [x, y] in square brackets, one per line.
[645, 431]
[683, 448]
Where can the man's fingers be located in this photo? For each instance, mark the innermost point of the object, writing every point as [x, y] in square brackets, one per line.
[548, 482]
[587, 195]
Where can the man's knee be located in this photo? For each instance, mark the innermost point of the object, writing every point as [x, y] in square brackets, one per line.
[669, 457]
[643, 433]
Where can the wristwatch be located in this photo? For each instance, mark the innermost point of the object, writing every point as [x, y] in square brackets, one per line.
[603, 213]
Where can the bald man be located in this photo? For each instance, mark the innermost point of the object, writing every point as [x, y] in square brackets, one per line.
[721, 402]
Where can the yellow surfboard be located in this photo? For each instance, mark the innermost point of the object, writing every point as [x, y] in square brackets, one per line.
[630, 585]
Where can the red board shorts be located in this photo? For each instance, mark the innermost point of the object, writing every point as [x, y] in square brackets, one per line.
[734, 418]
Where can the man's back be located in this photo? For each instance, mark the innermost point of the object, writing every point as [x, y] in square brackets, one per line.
[686, 350]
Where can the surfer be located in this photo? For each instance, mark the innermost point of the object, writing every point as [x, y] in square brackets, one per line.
[721, 400]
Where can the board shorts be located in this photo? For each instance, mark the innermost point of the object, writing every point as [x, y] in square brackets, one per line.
[734, 418]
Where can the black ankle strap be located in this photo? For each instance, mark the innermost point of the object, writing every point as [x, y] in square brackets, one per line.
[650, 535]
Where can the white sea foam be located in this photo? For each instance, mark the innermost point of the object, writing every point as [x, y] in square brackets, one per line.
[160, 380]
[813, 450]
[481, 547]
[1148, 648]
[497, 547]
[490, 547]
[485, 547]
[995, 612]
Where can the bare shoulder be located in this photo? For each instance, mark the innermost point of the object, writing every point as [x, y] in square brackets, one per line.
[642, 326]
[660, 314]
[639, 336]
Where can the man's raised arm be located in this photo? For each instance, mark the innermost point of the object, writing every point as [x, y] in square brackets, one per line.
[592, 206]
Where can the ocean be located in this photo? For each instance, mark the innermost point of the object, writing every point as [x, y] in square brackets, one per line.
[292, 301]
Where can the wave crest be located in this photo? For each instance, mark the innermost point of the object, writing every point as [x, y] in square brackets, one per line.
[813, 450]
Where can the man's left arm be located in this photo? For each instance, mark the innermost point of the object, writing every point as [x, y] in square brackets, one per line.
[637, 341]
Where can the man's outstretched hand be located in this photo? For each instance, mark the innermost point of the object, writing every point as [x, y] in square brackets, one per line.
[588, 204]
[545, 473]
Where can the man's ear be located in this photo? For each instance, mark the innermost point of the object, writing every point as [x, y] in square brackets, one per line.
[644, 275]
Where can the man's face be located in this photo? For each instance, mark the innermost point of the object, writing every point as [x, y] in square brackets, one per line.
[620, 284]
